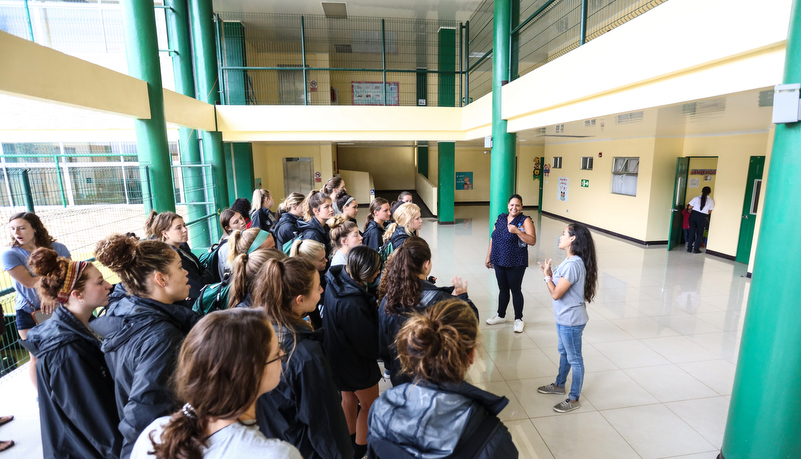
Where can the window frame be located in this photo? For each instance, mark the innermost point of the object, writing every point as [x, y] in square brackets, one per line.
[625, 171]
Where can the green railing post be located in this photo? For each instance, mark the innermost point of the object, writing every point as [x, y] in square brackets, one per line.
[303, 60]
[26, 190]
[28, 19]
[446, 89]
[467, 62]
[461, 69]
[219, 34]
[141, 46]
[765, 408]
[502, 168]
[60, 182]
[178, 34]
[542, 178]
[583, 31]
[384, 62]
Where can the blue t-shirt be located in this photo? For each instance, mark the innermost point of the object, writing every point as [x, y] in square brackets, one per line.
[508, 250]
[570, 310]
[17, 256]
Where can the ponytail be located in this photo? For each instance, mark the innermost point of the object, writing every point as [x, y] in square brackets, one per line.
[375, 206]
[314, 200]
[400, 284]
[584, 247]
[282, 282]
[245, 266]
[704, 193]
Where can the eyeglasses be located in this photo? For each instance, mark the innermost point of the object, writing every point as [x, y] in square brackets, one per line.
[283, 358]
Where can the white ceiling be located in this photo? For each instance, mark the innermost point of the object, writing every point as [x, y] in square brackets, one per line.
[459, 10]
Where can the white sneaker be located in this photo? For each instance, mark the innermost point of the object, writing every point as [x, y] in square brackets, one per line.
[519, 325]
[496, 319]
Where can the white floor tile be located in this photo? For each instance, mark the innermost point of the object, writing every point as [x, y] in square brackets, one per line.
[679, 349]
[630, 354]
[583, 435]
[669, 383]
[707, 416]
[717, 374]
[528, 441]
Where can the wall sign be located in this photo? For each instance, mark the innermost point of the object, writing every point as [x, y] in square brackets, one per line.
[564, 185]
[703, 172]
[585, 183]
[464, 180]
[369, 93]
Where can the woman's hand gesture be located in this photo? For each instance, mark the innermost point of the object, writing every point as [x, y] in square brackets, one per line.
[546, 267]
[459, 285]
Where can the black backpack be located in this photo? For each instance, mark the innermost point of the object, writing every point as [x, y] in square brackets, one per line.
[210, 260]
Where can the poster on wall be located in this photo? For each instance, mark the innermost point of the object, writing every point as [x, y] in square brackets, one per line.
[564, 184]
[464, 180]
[369, 93]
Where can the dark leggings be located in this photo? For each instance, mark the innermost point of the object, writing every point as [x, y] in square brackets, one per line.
[510, 279]
[697, 226]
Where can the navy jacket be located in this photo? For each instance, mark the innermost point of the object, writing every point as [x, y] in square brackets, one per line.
[373, 235]
[350, 321]
[390, 324]
[305, 409]
[77, 413]
[313, 230]
[430, 420]
[142, 338]
[285, 229]
[262, 218]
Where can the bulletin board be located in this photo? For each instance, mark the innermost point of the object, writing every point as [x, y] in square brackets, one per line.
[369, 93]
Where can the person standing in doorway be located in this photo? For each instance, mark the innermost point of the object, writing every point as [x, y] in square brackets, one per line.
[700, 210]
[508, 254]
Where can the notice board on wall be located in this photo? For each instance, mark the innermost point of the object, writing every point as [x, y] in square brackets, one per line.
[369, 93]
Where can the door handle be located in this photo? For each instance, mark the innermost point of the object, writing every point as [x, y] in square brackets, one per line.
[745, 217]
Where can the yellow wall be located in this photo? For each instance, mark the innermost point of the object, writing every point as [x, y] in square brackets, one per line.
[269, 167]
[392, 168]
[527, 187]
[734, 153]
[473, 159]
[701, 163]
[663, 175]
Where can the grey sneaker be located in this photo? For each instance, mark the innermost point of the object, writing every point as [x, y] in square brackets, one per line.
[551, 389]
[567, 406]
[496, 319]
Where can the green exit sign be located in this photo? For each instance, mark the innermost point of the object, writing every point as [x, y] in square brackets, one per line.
[585, 183]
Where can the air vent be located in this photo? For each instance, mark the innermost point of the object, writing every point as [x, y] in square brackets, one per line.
[633, 117]
[689, 109]
[343, 49]
[541, 130]
[589, 123]
[559, 128]
[335, 10]
[766, 98]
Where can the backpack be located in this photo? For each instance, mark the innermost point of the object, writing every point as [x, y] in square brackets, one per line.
[213, 297]
[385, 251]
[210, 260]
[287, 247]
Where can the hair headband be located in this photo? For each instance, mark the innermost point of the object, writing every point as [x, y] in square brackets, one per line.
[348, 201]
[74, 271]
[263, 235]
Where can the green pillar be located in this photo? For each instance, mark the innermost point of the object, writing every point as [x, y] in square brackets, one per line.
[447, 150]
[446, 185]
[239, 163]
[235, 56]
[205, 49]
[765, 407]
[422, 158]
[502, 177]
[141, 48]
[179, 38]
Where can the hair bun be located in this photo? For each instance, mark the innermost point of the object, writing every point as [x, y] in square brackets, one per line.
[43, 261]
[117, 252]
[336, 220]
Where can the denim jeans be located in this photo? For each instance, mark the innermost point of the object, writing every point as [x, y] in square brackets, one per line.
[570, 351]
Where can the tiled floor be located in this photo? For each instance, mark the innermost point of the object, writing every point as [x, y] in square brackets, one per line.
[660, 349]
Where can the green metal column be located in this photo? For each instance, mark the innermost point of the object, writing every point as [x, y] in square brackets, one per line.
[205, 50]
[765, 407]
[446, 185]
[141, 47]
[178, 34]
[239, 164]
[422, 158]
[502, 178]
[446, 90]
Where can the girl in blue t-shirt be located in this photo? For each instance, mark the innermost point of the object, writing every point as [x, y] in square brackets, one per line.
[27, 234]
[572, 285]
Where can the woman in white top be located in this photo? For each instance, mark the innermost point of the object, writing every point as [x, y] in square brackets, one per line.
[345, 235]
[227, 361]
[700, 210]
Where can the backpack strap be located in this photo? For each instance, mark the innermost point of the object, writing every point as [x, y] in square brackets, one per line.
[474, 444]
[383, 449]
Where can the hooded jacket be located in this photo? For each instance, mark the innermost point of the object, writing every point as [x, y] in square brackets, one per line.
[389, 325]
[262, 218]
[313, 230]
[398, 237]
[429, 420]
[285, 229]
[76, 393]
[305, 409]
[197, 276]
[142, 338]
[373, 235]
[351, 332]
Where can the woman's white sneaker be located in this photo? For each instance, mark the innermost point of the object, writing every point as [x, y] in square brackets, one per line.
[496, 319]
[519, 325]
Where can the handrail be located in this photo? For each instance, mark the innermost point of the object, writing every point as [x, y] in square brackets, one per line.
[340, 69]
[531, 18]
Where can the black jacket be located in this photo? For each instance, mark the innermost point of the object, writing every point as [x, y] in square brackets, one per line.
[373, 235]
[262, 218]
[197, 276]
[431, 420]
[398, 237]
[305, 409]
[142, 338]
[390, 324]
[351, 332]
[313, 230]
[285, 229]
[76, 393]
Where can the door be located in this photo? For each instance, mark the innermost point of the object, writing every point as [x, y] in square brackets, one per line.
[298, 175]
[753, 189]
[679, 196]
